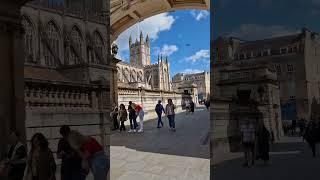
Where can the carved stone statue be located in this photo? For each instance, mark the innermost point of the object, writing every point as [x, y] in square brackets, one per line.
[114, 49]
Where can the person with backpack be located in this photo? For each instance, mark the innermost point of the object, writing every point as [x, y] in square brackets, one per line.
[122, 116]
[159, 109]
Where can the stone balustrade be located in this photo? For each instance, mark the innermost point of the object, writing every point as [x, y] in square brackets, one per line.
[59, 98]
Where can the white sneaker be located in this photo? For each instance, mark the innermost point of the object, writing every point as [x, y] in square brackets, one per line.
[130, 131]
[140, 130]
[134, 130]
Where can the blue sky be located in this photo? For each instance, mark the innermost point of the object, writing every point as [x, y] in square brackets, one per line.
[183, 35]
[257, 19]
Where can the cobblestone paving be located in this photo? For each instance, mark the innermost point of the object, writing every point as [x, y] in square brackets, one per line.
[290, 159]
[161, 154]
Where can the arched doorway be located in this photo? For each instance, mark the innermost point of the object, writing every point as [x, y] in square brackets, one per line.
[128, 12]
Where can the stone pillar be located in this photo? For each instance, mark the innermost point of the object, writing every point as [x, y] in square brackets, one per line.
[11, 71]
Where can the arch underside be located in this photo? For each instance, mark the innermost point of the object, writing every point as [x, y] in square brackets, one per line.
[124, 15]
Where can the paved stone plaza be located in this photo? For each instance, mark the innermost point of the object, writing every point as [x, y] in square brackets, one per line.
[290, 159]
[161, 154]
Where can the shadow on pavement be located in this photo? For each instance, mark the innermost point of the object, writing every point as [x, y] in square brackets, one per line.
[190, 139]
[295, 166]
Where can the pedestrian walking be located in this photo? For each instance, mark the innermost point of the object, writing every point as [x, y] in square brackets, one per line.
[114, 116]
[207, 104]
[311, 136]
[169, 111]
[192, 106]
[159, 109]
[139, 112]
[122, 117]
[133, 119]
[40, 163]
[263, 143]
[15, 162]
[71, 162]
[302, 126]
[187, 107]
[248, 139]
[92, 154]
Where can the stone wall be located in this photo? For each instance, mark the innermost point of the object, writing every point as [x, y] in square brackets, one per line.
[82, 107]
[149, 99]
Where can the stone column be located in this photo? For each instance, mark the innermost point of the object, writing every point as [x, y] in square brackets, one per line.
[11, 71]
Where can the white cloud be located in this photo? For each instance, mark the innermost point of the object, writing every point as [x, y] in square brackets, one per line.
[151, 26]
[198, 15]
[167, 50]
[191, 71]
[256, 31]
[200, 55]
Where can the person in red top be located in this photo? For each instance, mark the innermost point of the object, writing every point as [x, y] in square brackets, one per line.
[139, 112]
[92, 154]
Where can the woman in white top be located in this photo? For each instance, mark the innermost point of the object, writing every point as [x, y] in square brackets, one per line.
[170, 114]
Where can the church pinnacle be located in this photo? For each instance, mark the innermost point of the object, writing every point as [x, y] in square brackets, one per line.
[141, 37]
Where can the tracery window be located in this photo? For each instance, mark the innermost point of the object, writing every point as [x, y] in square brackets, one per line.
[54, 42]
[78, 46]
[98, 43]
[29, 41]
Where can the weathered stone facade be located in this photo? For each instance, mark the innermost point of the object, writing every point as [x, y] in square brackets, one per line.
[201, 80]
[68, 71]
[294, 57]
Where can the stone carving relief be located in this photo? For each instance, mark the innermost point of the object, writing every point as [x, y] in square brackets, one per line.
[126, 75]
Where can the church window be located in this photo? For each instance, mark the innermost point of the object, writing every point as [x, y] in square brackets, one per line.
[77, 42]
[283, 50]
[278, 68]
[292, 97]
[29, 41]
[290, 49]
[290, 68]
[98, 43]
[54, 42]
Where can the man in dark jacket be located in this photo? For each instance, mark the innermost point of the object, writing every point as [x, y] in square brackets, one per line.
[159, 109]
[133, 119]
[71, 162]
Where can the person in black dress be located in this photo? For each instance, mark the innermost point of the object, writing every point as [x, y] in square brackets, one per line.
[71, 168]
[263, 139]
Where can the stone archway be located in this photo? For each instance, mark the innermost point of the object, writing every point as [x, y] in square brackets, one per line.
[125, 13]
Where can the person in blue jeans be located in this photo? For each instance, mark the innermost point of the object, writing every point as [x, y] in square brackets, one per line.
[159, 109]
[169, 111]
[133, 119]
